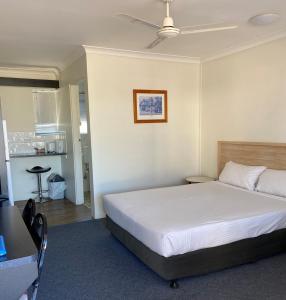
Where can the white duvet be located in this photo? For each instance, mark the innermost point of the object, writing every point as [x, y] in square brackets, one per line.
[180, 219]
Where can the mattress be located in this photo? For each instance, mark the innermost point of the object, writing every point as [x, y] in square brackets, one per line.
[180, 219]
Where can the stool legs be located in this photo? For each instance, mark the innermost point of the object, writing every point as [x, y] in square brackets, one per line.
[40, 189]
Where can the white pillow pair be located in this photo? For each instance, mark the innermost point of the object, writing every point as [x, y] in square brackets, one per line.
[268, 181]
[272, 182]
[240, 175]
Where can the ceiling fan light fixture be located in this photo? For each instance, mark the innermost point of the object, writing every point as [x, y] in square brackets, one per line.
[264, 19]
[168, 32]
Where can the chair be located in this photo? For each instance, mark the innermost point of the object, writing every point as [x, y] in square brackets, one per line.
[39, 233]
[3, 198]
[29, 213]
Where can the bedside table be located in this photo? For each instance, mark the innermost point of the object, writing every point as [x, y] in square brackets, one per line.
[199, 179]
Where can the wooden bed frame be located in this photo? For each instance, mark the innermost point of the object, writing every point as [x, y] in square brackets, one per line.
[217, 258]
[270, 155]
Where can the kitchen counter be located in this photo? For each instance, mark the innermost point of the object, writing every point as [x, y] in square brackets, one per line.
[20, 155]
[24, 183]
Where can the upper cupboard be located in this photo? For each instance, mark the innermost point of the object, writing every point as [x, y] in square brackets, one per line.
[28, 109]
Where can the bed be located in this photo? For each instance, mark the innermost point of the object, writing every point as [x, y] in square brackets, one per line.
[191, 230]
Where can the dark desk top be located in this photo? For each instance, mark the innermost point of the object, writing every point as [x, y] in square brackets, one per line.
[18, 241]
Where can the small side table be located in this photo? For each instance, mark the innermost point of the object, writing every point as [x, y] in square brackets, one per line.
[199, 179]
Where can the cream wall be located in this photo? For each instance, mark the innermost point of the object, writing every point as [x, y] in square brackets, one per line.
[244, 98]
[128, 156]
[74, 72]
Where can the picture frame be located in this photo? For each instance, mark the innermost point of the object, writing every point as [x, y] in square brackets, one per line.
[150, 106]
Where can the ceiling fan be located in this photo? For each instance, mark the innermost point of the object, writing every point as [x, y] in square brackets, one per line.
[168, 29]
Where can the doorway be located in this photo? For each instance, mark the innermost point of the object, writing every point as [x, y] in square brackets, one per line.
[85, 142]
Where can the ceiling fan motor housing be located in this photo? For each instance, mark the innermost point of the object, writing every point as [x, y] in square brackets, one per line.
[168, 30]
[168, 22]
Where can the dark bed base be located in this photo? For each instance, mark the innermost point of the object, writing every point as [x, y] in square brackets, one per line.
[202, 261]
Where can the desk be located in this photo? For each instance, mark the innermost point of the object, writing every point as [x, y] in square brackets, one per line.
[19, 270]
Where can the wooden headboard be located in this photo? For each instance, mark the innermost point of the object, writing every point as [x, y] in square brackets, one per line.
[270, 155]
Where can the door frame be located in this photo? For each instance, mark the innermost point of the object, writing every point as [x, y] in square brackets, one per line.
[75, 126]
[87, 106]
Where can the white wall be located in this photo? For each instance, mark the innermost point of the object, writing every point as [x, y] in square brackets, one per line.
[244, 98]
[128, 156]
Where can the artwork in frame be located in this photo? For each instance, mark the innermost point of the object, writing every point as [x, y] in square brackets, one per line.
[150, 106]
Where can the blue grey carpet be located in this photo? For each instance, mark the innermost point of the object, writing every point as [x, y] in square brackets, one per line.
[84, 261]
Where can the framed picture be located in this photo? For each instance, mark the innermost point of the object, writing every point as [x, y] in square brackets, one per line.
[150, 106]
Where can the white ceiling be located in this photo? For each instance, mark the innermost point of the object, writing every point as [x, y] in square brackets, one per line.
[49, 32]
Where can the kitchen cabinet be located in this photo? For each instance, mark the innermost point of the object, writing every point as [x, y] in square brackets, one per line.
[17, 108]
[45, 108]
[28, 110]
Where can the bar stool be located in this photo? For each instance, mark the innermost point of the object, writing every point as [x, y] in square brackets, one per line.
[38, 171]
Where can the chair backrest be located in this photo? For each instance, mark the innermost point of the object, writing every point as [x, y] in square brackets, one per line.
[3, 201]
[3, 198]
[29, 213]
[39, 232]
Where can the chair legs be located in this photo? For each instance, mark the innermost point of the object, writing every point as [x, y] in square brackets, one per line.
[35, 290]
[174, 284]
[24, 297]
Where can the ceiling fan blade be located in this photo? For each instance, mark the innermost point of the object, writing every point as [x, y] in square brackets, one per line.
[141, 21]
[155, 43]
[212, 29]
[183, 28]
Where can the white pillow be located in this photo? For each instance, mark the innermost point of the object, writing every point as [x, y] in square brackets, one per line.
[272, 182]
[241, 175]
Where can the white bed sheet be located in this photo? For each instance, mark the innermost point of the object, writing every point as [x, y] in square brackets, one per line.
[180, 219]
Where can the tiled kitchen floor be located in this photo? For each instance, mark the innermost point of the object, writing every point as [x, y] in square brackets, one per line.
[60, 211]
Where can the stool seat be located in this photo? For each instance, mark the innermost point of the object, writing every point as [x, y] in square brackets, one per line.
[38, 169]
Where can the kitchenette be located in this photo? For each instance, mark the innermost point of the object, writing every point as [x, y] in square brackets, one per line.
[36, 136]
[28, 150]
